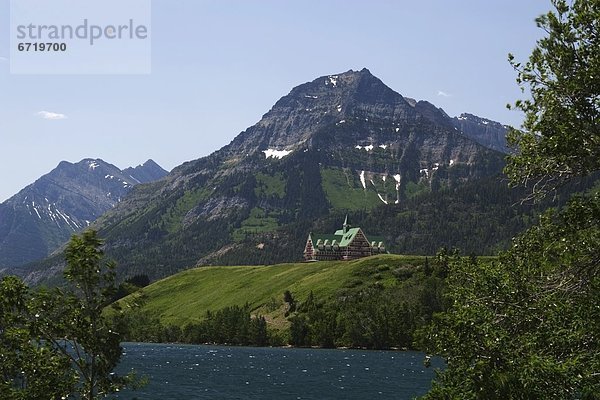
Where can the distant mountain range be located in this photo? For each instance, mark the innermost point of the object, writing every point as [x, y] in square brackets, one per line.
[343, 143]
[41, 217]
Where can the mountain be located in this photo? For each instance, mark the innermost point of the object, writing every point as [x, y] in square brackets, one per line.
[484, 131]
[343, 143]
[44, 215]
[146, 172]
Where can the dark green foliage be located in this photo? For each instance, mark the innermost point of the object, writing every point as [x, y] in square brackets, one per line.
[139, 280]
[373, 316]
[139, 326]
[30, 367]
[231, 325]
[130, 286]
[526, 326]
[291, 302]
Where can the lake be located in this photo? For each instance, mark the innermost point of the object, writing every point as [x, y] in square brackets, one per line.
[214, 372]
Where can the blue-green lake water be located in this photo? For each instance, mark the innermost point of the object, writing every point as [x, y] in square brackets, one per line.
[213, 372]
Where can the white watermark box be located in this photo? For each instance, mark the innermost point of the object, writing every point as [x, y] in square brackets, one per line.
[80, 37]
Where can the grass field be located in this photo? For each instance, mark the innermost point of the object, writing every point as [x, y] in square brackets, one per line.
[185, 297]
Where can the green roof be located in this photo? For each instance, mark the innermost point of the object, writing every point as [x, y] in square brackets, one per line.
[348, 237]
[342, 239]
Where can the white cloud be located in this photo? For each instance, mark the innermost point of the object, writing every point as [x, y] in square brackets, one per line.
[51, 115]
[443, 94]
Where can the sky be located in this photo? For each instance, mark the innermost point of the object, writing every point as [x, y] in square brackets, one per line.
[218, 66]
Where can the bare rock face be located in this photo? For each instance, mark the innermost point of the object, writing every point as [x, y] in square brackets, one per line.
[489, 133]
[296, 118]
[356, 108]
[214, 208]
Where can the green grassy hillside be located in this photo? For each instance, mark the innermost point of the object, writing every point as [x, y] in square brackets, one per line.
[187, 296]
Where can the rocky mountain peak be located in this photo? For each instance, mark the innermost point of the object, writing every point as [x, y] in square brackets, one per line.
[44, 214]
[341, 94]
[295, 118]
[146, 172]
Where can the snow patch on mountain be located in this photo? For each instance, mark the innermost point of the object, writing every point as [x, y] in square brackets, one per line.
[370, 147]
[279, 154]
[332, 79]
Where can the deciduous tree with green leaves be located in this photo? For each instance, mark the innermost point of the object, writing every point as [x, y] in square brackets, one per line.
[57, 344]
[30, 368]
[561, 133]
[527, 326]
